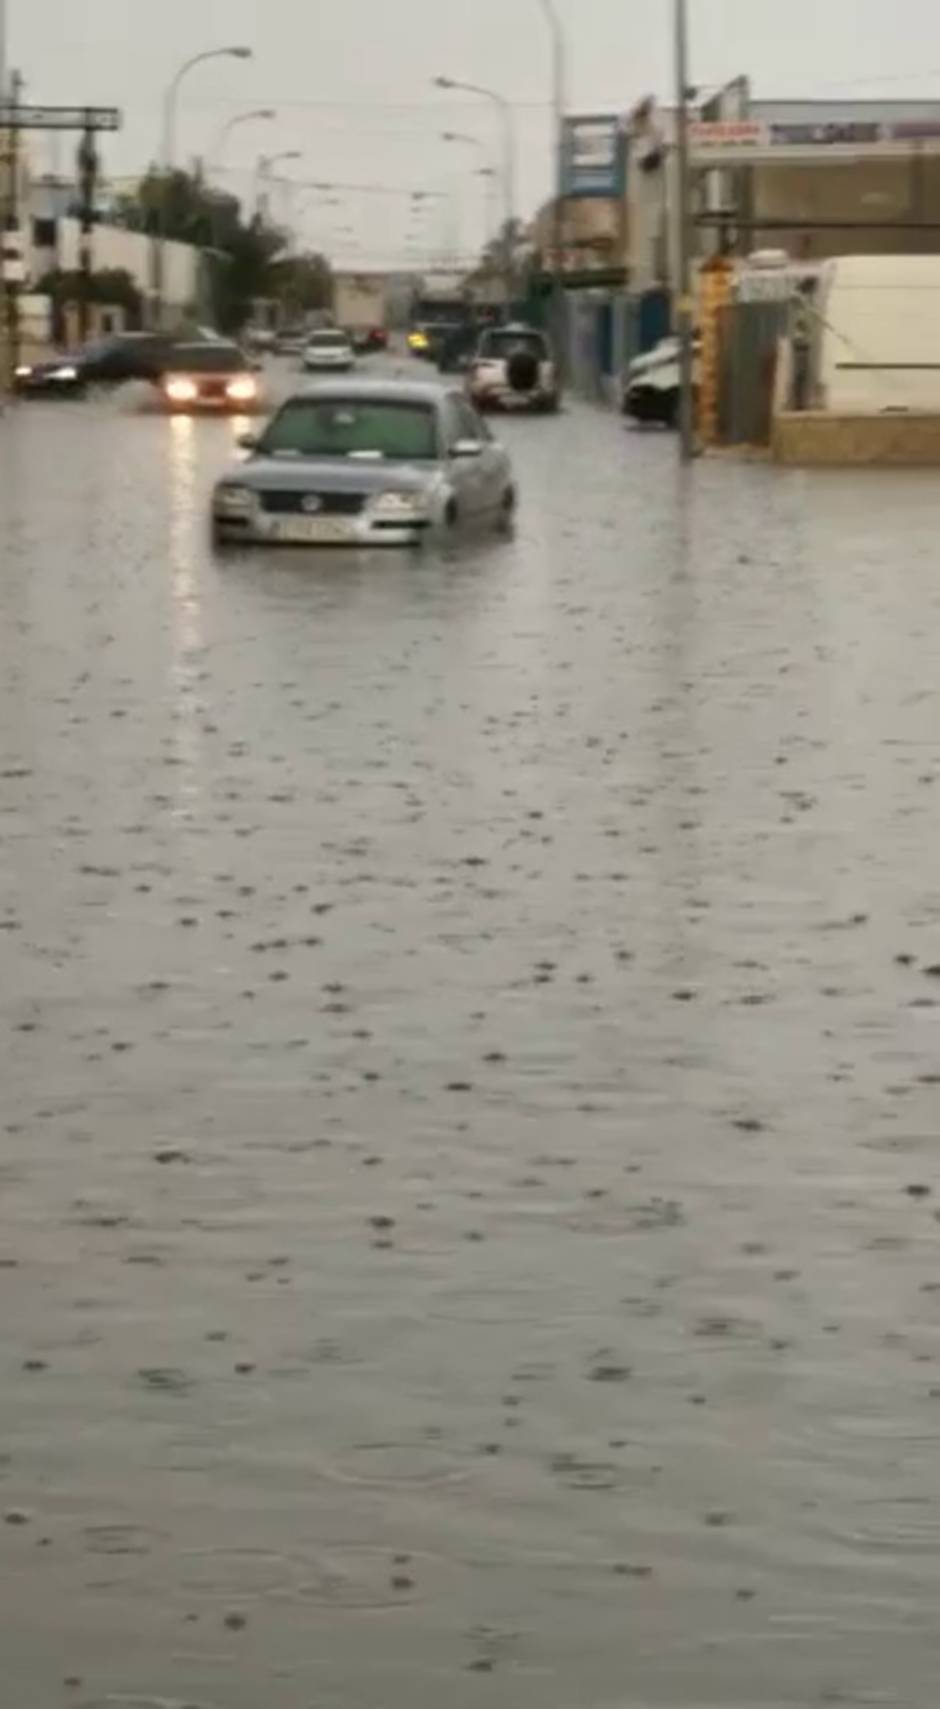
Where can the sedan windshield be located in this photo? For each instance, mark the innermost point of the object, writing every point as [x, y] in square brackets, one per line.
[330, 341]
[348, 427]
[207, 358]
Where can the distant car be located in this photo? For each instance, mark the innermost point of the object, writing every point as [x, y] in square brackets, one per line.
[328, 351]
[365, 463]
[366, 339]
[290, 340]
[106, 361]
[260, 338]
[211, 377]
[651, 390]
[513, 368]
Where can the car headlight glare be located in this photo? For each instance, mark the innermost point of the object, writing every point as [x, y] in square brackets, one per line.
[233, 501]
[242, 390]
[66, 373]
[24, 371]
[181, 391]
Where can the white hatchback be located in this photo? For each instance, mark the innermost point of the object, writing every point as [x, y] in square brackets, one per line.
[328, 352]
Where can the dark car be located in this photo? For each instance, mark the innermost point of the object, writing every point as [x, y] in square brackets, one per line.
[106, 361]
[211, 376]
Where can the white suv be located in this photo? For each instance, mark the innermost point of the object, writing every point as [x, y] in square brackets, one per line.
[513, 369]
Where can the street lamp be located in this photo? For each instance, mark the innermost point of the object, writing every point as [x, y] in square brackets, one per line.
[559, 68]
[486, 172]
[216, 152]
[266, 163]
[170, 101]
[172, 93]
[509, 154]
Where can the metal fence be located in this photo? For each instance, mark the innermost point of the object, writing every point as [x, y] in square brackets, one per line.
[750, 335]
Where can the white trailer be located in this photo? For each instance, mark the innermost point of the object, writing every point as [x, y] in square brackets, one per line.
[360, 307]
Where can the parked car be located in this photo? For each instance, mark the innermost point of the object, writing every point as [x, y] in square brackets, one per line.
[513, 368]
[365, 463]
[328, 350]
[651, 391]
[106, 361]
[210, 377]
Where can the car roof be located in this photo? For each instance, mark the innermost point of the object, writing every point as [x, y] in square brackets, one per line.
[372, 391]
[203, 345]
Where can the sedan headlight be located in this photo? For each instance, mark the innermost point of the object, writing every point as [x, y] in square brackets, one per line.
[23, 371]
[66, 373]
[181, 391]
[233, 501]
[398, 504]
[242, 389]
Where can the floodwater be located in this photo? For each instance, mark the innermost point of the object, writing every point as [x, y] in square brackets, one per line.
[471, 1072]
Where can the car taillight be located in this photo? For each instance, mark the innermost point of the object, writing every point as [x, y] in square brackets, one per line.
[242, 389]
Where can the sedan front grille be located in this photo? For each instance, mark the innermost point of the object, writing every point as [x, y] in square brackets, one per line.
[290, 503]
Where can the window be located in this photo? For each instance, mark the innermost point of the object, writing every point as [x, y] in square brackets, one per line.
[349, 427]
[467, 423]
[498, 346]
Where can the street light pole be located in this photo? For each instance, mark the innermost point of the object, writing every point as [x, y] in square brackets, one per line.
[509, 159]
[559, 80]
[216, 153]
[168, 162]
[483, 172]
[266, 162]
[684, 305]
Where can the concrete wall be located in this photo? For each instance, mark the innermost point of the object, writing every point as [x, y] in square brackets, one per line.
[813, 439]
[131, 251]
[112, 246]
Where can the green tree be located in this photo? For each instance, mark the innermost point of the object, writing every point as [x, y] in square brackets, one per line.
[181, 207]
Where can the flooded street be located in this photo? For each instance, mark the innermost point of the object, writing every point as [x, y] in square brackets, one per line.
[471, 1069]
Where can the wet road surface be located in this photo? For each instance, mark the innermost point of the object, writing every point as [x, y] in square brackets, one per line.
[468, 1182]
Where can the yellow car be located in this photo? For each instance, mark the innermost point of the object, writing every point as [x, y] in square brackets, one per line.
[418, 342]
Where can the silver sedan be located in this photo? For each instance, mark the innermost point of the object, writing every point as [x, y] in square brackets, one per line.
[364, 462]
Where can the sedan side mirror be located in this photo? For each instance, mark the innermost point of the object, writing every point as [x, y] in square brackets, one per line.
[248, 441]
[467, 448]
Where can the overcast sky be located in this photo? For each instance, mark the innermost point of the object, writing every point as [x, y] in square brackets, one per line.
[351, 81]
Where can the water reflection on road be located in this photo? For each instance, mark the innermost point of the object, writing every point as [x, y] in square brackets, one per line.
[471, 1071]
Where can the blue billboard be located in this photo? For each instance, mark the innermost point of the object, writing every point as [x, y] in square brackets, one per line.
[594, 156]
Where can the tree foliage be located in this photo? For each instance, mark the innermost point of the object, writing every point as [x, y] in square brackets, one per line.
[247, 259]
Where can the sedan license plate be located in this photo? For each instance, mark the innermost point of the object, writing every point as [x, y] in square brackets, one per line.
[312, 530]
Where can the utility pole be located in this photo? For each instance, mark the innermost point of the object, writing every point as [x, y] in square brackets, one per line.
[559, 80]
[11, 245]
[684, 304]
[87, 177]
